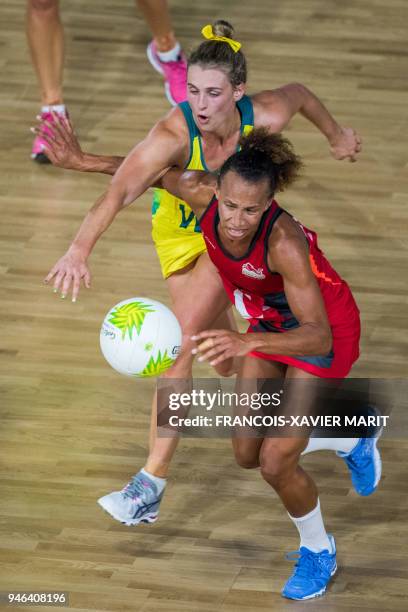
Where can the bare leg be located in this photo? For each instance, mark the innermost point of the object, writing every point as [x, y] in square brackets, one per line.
[46, 41]
[196, 310]
[279, 460]
[157, 16]
[278, 457]
[247, 448]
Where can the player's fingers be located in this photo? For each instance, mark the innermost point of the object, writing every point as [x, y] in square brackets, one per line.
[36, 129]
[53, 134]
[63, 123]
[66, 129]
[48, 144]
[208, 333]
[58, 279]
[206, 345]
[50, 275]
[75, 286]
[49, 152]
[47, 138]
[58, 127]
[66, 122]
[45, 124]
[39, 131]
[222, 357]
[87, 279]
[50, 148]
[210, 343]
[66, 284]
[214, 352]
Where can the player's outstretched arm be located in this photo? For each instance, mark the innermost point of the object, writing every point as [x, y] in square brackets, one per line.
[162, 148]
[64, 150]
[275, 108]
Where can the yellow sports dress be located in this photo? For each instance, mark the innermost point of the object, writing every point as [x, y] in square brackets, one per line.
[175, 230]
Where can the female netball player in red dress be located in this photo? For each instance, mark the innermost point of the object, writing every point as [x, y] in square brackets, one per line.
[304, 323]
[198, 134]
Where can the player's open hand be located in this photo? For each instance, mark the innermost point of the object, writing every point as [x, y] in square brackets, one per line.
[217, 345]
[62, 147]
[68, 273]
[346, 144]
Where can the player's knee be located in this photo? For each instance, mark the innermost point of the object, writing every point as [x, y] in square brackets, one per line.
[43, 5]
[276, 463]
[246, 459]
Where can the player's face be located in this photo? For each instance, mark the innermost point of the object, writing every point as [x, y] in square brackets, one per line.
[211, 96]
[241, 206]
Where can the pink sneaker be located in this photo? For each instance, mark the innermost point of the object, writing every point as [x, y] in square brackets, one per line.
[174, 73]
[37, 152]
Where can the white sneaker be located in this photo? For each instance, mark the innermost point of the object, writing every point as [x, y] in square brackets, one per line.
[138, 502]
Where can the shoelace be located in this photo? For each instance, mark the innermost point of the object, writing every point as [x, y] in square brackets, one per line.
[135, 488]
[307, 563]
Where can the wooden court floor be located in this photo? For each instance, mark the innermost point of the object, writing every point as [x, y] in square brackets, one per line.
[72, 429]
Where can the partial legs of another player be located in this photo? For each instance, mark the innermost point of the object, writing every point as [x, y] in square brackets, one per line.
[45, 37]
[199, 302]
[164, 52]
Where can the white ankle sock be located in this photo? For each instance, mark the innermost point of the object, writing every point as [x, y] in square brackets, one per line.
[170, 56]
[311, 530]
[345, 445]
[159, 482]
[57, 108]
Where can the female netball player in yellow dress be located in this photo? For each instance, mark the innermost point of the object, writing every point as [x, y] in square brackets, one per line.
[199, 134]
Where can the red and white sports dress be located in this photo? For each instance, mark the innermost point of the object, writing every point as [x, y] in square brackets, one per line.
[259, 296]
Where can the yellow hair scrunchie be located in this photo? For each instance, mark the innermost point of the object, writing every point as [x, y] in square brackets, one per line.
[208, 33]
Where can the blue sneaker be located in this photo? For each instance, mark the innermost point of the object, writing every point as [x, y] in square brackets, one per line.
[312, 572]
[364, 462]
[138, 502]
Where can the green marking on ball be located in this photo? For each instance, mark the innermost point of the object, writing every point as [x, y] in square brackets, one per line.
[155, 367]
[129, 317]
[148, 346]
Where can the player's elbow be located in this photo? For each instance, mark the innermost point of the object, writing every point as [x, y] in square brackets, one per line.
[298, 88]
[298, 94]
[121, 193]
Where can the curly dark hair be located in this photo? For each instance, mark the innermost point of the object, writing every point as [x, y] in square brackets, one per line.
[218, 54]
[264, 155]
